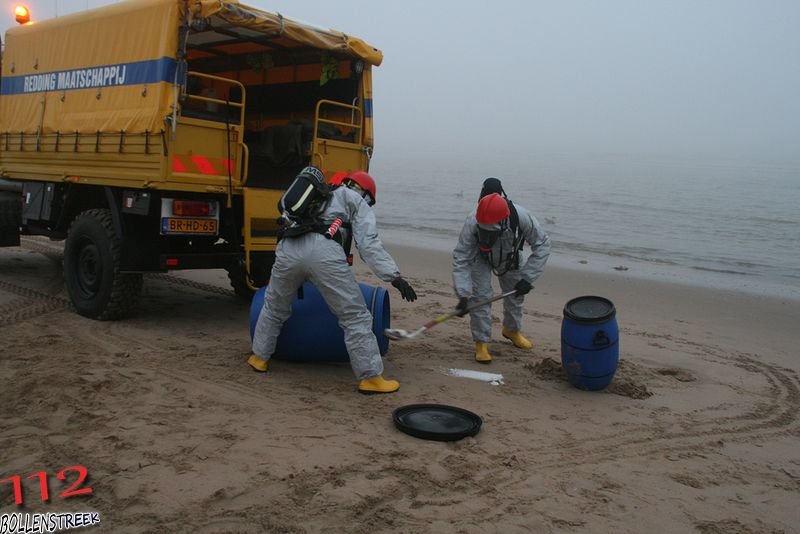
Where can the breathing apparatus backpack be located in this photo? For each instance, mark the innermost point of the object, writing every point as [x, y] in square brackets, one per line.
[303, 202]
[302, 205]
[306, 196]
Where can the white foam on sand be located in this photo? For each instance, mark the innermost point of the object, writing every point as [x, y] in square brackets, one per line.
[493, 378]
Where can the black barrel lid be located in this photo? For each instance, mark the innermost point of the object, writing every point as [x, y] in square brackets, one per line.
[589, 309]
[436, 422]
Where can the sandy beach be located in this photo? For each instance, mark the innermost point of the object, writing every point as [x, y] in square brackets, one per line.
[697, 433]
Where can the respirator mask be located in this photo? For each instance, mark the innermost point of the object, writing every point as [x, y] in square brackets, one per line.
[488, 235]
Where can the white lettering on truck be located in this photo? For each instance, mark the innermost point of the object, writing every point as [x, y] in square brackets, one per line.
[76, 79]
[39, 82]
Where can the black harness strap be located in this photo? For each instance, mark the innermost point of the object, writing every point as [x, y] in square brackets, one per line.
[320, 228]
[347, 244]
[519, 239]
[510, 261]
[346, 241]
[303, 228]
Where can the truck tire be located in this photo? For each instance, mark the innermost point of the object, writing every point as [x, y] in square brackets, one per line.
[262, 268]
[237, 277]
[10, 218]
[91, 268]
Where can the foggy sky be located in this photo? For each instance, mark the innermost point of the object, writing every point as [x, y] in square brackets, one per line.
[681, 77]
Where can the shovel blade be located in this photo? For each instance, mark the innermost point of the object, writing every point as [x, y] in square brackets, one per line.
[395, 333]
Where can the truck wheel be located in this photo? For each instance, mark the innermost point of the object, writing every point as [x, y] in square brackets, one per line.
[91, 268]
[262, 268]
[236, 275]
[10, 218]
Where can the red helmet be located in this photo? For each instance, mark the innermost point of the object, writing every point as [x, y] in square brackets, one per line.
[365, 182]
[337, 178]
[492, 209]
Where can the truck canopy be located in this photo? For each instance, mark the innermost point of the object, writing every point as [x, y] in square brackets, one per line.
[119, 68]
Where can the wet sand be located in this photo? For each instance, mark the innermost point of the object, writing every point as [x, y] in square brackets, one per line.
[697, 433]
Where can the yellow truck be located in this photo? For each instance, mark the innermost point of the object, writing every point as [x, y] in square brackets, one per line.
[156, 135]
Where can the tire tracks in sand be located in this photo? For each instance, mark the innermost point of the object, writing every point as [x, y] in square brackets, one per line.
[34, 302]
[774, 413]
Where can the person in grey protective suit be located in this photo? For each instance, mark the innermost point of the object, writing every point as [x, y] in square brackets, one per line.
[310, 256]
[491, 242]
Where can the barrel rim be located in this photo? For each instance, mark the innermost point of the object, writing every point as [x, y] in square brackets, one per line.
[590, 320]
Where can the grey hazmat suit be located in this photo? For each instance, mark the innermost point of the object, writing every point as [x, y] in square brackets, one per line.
[472, 271]
[312, 257]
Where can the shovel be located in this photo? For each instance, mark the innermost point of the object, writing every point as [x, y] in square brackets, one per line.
[399, 333]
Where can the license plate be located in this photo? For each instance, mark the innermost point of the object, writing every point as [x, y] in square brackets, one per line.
[172, 225]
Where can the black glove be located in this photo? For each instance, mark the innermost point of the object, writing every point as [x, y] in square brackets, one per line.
[406, 291]
[461, 307]
[523, 287]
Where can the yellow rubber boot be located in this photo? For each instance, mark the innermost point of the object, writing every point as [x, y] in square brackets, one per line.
[482, 352]
[257, 363]
[517, 339]
[378, 384]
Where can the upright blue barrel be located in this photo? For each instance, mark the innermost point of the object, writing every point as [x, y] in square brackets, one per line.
[590, 342]
[312, 332]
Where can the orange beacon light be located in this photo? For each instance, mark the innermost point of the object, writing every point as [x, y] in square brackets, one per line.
[22, 14]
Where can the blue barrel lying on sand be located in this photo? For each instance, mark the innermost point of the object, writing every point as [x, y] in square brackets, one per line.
[589, 342]
[312, 333]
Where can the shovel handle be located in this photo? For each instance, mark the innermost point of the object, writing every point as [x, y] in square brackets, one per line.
[440, 319]
[395, 334]
[489, 301]
[445, 317]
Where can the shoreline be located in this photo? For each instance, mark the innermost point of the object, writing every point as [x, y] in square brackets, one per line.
[761, 320]
[593, 263]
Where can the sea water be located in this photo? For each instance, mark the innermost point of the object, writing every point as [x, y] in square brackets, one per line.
[723, 223]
